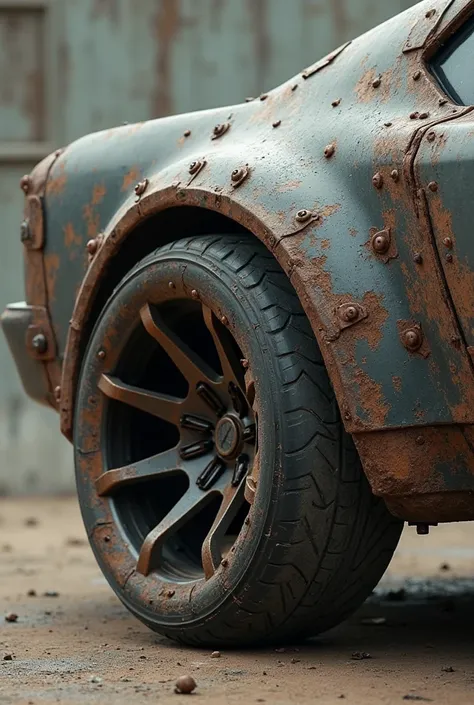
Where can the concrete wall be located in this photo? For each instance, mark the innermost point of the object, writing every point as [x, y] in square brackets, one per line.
[68, 67]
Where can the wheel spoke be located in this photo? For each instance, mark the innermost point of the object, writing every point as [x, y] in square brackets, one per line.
[230, 363]
[191, 366]
[158, 465]
[187, 507]
[160, 405]
[210, 553]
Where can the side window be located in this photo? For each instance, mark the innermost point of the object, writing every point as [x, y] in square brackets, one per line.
[453, 66]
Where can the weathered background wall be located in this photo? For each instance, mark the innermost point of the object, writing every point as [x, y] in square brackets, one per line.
[68, 67]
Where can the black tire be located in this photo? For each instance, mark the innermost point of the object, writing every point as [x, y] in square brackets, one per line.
[316, 541]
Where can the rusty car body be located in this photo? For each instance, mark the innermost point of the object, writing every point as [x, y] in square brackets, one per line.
[356, 176]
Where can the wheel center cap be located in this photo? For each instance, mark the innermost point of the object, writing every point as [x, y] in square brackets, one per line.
[228, 436]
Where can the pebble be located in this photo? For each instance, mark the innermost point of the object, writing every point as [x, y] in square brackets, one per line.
[95, 679]
[11, 617]
[374, 621]
[448, 669]
[216, 654]
[51, 593]
[445, 567]
[185, 685]
[7, 657]
[31, 521]
[31, 593]
[360, 656]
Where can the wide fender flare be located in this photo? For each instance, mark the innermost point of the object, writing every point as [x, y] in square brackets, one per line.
[354, 301]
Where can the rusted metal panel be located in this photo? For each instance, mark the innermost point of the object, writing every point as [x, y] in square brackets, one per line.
[329, 257]
[444, 169]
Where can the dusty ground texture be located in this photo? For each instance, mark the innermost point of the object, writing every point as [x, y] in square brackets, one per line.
[81, 645]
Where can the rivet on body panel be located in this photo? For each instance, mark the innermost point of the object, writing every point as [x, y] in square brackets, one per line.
[350, 313]
[395, 175]
[239, 175]
[336, 103]
[187, 133]
[381, 242]
[329, 150]
[412, 338]
[417, 75]
[303, 215]
[418, 258]
[40, 343]
[377, 180]
[447, 242]
[220, 130]
[433, 186]
[277, 123]
[431, 136]
[25, 183]
[376, 82]
[449, 258]
[57, 394]
[195, 166]
[140, 188]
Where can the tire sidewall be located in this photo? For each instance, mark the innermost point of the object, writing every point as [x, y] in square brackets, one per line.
[148, 598]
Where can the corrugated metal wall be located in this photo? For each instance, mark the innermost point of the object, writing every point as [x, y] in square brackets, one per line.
[68, 67]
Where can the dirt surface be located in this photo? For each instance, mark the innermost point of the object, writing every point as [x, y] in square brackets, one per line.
[74, 642]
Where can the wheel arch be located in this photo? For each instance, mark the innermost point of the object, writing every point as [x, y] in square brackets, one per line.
[179, 213]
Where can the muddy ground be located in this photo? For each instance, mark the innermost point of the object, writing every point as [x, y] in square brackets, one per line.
[73, 641]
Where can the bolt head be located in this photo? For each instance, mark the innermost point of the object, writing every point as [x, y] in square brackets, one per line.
[381, 243]
[277, 123]
[418, 258]
[376, 82]
[224, 562]
[395, 174]
[39, 343]
[195, 294]
[417, 75]
[423, 116]
[414, 116]
[447, 242]
[433, 186]
[431, 136]
[57, 393]
[187, 133]
[224, 320]
[101, 354]
[412, 339]
[194, 166]
[245, 364]
[336, 103]
[449, 258]
[171, 285]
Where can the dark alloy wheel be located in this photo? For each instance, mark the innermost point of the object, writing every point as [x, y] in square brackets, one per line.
[223, 500]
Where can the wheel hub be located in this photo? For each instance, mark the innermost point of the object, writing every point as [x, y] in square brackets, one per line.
[229, 436]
